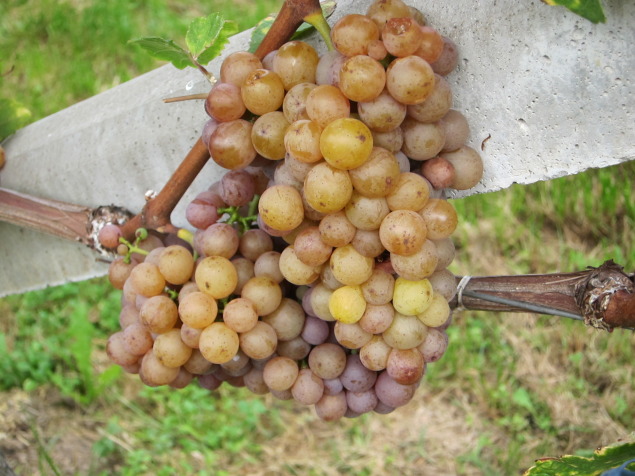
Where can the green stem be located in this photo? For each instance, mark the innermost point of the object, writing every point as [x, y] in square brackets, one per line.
[317, 21]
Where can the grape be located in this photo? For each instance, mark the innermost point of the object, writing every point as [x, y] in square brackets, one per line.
[294, 270]
[326, 103]
[422, 141]
[356, 377]
[203, 210]
[245, 270]
[308, 388]
[254, 243]
[209, 382]
[351, 336]
[224, 102]
[296, 348]
[448, 59]
[295, 63]
[456, 128]
[197, 364]
[281, 207]
[444, 283]
[170, 350]
[237, 66]
[410, 80]
[405, 367]
[346, 143]
[377, 318]
[238, 366]
[350, 267]
[198, 310]
[302, 141]
[327, 189]
[331, 407]
[347, 304]
[268, 133]
[391, 140]
[260, 342]
[361, 402]
[468, 167]
[377, 50]
[378, 288]
[440, 218]
[298, 170]
[237, 187]
[129, 315]
[182, 379]
[154, 372]
[320, 297]
[401, 36]
[439, 172]
[433, 348]
[240, 315]
[432, 45]
[159, 314]
[147, 280]
[411, 192]
[403, 232]
[109, 236]
[332, 386]
[436, 313]
[417, 266]
[190, 336]
[352, 33]
[327, 361]
[315, 331]
[118, 351]
[412, 297]
[268, 264]
[374, 354]
[208, 130]
[368, 243]
[391, 393]
[118, 272]
[216, 276]
[376, 177]
[230, 144]
[280, 373]
[287, 320]
[176, 264]
[218, 343]
[264, 293]
[309, 247]
[380, 11]
[328, 68]
[445, 252]
[336, 229]
[362, 78]
[382, 114]
[255, 382]
[405, 332]
[294, 103]
[436, 106]
[262, 91]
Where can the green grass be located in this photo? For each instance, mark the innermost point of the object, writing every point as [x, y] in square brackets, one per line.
[514, 373]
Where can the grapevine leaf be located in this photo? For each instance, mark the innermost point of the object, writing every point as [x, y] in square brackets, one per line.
[589, 9]
[13, 116]
[207, 36]
[602, 460]
[165, 50]
[263, 26]
[229, 28]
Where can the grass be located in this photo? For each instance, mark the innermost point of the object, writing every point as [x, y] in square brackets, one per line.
[511, 388]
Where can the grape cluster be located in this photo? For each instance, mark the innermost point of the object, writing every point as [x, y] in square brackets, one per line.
[318, 268]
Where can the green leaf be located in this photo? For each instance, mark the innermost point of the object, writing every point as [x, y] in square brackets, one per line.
[207, 36]
[229, 28]
[602, 460]
[165, 50]
[589, 9]
[264, 25]
[13, 116]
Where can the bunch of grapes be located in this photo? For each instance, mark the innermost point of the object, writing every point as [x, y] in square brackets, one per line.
[318, 268]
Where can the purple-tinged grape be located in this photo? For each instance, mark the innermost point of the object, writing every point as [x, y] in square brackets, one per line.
[392, 393]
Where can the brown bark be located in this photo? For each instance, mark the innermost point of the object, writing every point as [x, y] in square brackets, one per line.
[603, 297]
